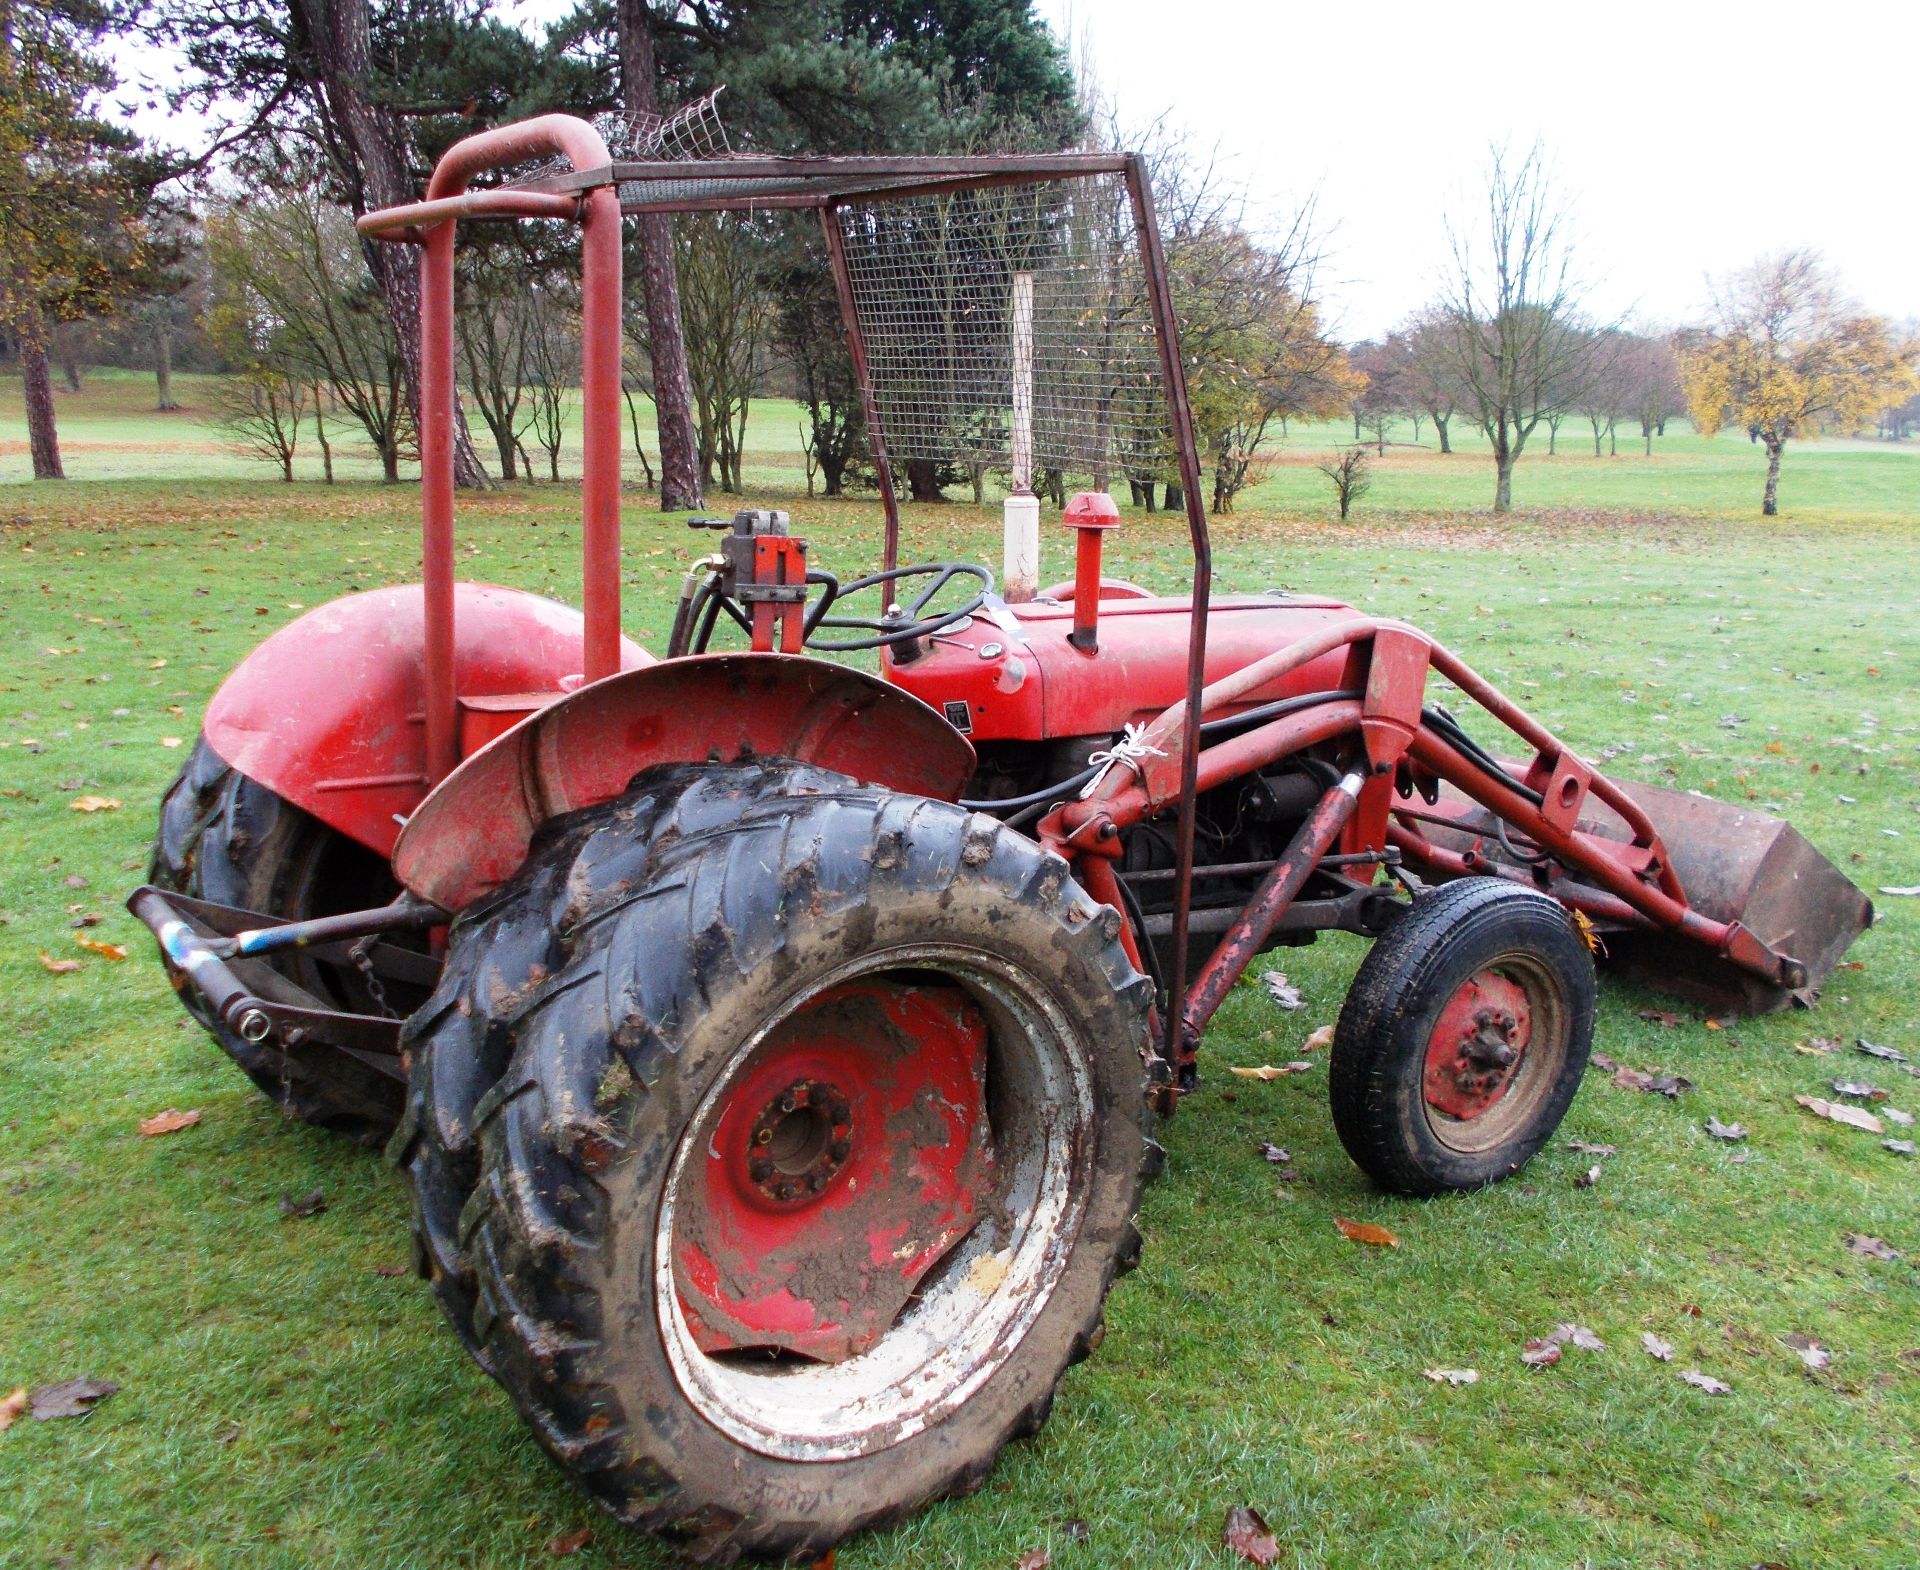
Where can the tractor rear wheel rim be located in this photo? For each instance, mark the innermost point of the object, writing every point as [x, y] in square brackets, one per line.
[1495, 1049]
[943, 1294]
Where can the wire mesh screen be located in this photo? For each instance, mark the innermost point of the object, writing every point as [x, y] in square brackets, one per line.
[690, 132]
[970, 300]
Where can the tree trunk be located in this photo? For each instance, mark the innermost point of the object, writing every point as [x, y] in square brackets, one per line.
[831, 470]
[1176, 497]
[923, 480]
[1770, 502]
[1356, 428]
[660, 285]
[70, 369]
[1613, 440]
[320, 435]
[1503, 482]
[163, 370]
[1416, 430]
[371, 138]
[1440, 425]
[42, 436]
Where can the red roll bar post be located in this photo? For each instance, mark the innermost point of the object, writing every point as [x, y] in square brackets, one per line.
[431, 223]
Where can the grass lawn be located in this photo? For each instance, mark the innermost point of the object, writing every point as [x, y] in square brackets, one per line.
[286, 1400]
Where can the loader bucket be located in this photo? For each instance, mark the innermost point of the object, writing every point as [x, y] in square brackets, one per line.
[1735, 865]
[1739, 865]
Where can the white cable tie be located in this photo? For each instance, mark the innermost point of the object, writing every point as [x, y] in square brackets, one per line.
[1129, 749]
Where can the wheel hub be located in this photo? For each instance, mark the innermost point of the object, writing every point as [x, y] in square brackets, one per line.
[844, 1158]
[1477, 1046]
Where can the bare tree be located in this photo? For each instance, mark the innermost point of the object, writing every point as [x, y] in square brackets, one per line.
[1653, 391]
[1428, 370]
[724, 310]
[1514, 302]
[1604, 392]
[1350, 475]
[552, 369]
[493, 329]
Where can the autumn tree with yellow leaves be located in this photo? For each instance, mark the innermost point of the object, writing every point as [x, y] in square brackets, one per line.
[1789, 356]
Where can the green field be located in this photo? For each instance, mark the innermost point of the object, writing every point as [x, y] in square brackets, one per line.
[285, 1400]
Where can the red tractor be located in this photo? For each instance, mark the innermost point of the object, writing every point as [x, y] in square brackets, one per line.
[774, 1045]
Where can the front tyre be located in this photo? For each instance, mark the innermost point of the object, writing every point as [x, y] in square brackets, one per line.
[812, 1166]
[1463, 1038]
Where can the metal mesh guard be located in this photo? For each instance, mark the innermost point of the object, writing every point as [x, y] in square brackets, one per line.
[934, 285]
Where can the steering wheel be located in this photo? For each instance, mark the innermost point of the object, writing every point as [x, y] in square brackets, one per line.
[896, 624]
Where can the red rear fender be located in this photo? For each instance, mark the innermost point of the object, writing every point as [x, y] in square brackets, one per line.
[329, 711]
[471, 834]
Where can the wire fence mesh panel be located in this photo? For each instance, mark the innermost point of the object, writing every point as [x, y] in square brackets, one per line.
[935, 288]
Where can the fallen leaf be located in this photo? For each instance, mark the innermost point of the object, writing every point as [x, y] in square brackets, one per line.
[1577, 1335]
[73, 880]
[389, 1271]
[1818, 1047]
[1658, 1083]
[1872, 1247]
[1655, 1347]
[1900, 1147]
[1728, 1131]
[1077, 1530]
[1895, 1115]
[1033, 1559]
[1366, 1232]
[563, 1544]
[71, 1398]
[1587, 1178]
[93, 804]
[1584, 1148]
[12, 1407]
[1247, 1534]
[1268, 1071]
[1873, 1049]
[104, 950]
[1323, 1037]
[1904, 890]
[230, 1434]
[1858, 1088]
[1706, 1382]
[1281, 990]
[1275, 1154]
[1665, 1018]
[169, 1122]
[1812, 1353]
[169, 741]
[1453, 1376]
[1835, 1112]
[305, 1207]
[1540, 1353]
[60, 967]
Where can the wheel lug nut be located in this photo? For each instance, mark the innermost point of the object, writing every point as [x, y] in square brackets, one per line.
[763, 1136]
[759, 1170]
[842, 1148]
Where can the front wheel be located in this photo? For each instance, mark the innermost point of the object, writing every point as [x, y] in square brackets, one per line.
[1463, 1038]
[816, 1154]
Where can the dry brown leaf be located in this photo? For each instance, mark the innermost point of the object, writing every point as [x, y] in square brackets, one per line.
[1727, 1131]
[563, 1544]
[1247, 1534]
[1366, 1232]
[1577, 1335]
[1033, 1559]
[93, 804]
[1706, 1382]
[1585, 1148]
[1872, 1247]
[104, 950]
[1323, 1037]
[1588, 1178]
[11, 1408]
[303, 1207]
[1665, 1018]
[1655, 1347]
[1281, 990]
[1274, 1153]
[1268, 1071]
[1453, 1376]
[60, 967]
[1853, 1117]
[69, 1398]
[1811, 1352]
[1541, 1352]
[169, 1122]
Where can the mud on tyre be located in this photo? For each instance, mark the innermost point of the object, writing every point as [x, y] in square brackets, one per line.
[816, 1148]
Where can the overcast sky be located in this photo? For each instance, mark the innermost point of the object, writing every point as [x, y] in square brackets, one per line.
[1692, 137]
[1689, 137]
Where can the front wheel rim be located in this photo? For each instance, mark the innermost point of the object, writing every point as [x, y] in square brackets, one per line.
[968, 1309]
[1494, 1052]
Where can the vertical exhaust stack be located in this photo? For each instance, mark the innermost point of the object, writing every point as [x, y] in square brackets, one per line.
[1090, 514]
[1020, 512]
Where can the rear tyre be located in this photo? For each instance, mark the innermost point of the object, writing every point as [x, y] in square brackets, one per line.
[813, 1160]
[228, 839]
[1463, 1038]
